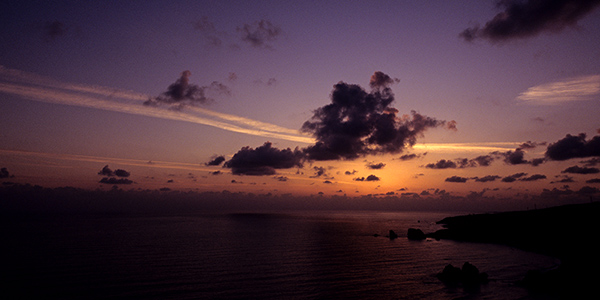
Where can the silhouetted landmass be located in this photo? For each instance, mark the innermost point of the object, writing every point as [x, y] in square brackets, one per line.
[567, 232]
[415, 234]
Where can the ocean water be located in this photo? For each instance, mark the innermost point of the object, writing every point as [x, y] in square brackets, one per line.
[288, 255]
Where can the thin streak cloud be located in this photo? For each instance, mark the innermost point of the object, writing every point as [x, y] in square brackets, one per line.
[38, 88]
[18, 155]
[573, 89]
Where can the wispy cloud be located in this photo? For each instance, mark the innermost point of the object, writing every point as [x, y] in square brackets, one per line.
[572, 89]
[52, 159]
[38, 88]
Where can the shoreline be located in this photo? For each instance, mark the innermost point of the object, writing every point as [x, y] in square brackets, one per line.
[566, 232]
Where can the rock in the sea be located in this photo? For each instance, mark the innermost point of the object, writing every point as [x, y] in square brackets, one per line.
[415, 234]
[393, 235]
[469, 275]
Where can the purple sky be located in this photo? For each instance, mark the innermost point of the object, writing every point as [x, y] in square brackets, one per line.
[158, 89]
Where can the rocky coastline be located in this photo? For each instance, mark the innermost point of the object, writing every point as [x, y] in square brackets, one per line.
[567, 232]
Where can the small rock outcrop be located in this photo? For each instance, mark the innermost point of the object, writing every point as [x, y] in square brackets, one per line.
[392, 235]
[469, 275]
[415, 234]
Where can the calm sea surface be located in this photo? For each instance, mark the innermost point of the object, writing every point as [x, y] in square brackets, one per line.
[297, 255]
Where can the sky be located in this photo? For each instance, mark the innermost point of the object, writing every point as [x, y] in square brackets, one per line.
[479, 101]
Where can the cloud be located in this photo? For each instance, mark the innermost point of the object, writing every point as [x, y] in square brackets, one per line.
[522, 19]
[263, 160]
[513, 177]
[456, 179]
[591, 162]
[216, 161]
[375, 166]
[54, 29]
[121, 173]
[209, 32]
[106, 171]
[581, 170]
[368, 178]
[411, 156]
[259, 34]
[442, 164]
[482, 160]
[113, 180]
[572, 89]
[350, 172]
[486, 178]
[183, 93]
[565, 179]
[39, 88]
[4, 173]
[380, 79]
[281, 178]
[358, 123]
[319, 171]
[574, 147]
[534, 177]
[594, 180]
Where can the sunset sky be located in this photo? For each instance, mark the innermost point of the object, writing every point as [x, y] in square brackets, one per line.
[414, 99]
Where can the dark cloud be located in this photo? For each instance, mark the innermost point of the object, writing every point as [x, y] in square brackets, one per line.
[456, 179]
[375, 166]
[209, 32]
[113, 180]
[588, 190]
[281, 178]
[355, 124]
[182, 92]
[516, 157]
[350, 172]
[4, 173]
[106, 171]
[319, 171]
[591, 162]
[564, 179]
[368, 178]
[381, 80]
[595, 180]
[574, 147]
[54, 29]
[487, 178]
[215, 173]
[263, 160]
[410, 156]
[530, 145]
[358, 123]
[260, 33]
[534, 177]
[121, 173]
[483, 160]
[216, 161]
[581, 170]
[442, 164]
[513, 177]
[523, 19]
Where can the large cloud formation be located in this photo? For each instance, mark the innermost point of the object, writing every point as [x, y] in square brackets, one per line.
[358, 123]
[522, 19]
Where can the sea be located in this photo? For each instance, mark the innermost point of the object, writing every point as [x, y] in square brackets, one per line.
[248, 255]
